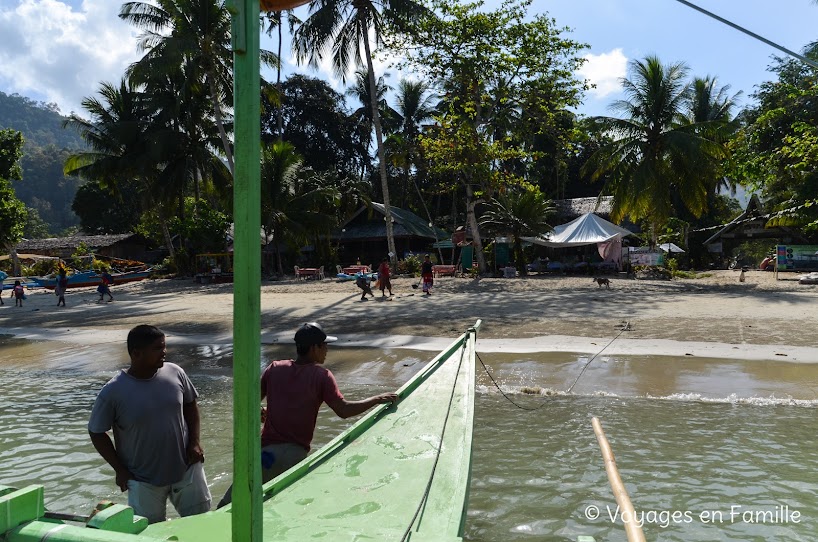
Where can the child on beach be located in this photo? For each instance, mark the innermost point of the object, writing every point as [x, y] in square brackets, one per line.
[362, 282]
[60, 287]
[18, 293]
[426, 272]
[383, 278]
[105, 287]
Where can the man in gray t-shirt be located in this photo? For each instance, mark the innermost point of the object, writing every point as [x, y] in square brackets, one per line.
[152, 410]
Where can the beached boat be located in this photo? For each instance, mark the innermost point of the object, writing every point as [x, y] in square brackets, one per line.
[91, 278]
[400, 473]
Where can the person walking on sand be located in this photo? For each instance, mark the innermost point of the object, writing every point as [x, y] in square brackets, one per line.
[156, 454]
[427, 275]
[295, 390]
[362, 282]
[105, 286]
[60, 287]
[383, 277]
[18, 293]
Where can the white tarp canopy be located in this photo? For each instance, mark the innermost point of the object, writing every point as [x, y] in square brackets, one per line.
[588, 229]
[670, 247]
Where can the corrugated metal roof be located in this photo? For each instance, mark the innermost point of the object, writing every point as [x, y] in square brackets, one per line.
[579, 206]
[406, 224]
[57, 243]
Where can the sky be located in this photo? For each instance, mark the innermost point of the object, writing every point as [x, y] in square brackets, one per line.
[60, 50]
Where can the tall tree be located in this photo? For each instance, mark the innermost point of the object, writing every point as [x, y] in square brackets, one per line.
[479, 60]
[342, 27]
[293, 208]
[120, 148]
[656, 155]
[317, 123]
[13, 214]
[777, 149]
[193, 33]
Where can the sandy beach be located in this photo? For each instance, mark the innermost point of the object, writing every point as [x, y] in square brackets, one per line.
[714, 316]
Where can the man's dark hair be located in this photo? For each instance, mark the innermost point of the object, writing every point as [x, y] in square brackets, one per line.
[303, 349]
[143, 336]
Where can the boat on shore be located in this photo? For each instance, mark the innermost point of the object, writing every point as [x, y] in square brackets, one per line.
[401, 472]
[91, 278]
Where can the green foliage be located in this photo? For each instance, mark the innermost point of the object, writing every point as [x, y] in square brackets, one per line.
[35, 227]
[201, 227]
[80, 257]
[660, 162]
[39, 122]
[40, 268]
[521, 213]
[777, 149]
[410, 265]
[104, 211]
[13, 215]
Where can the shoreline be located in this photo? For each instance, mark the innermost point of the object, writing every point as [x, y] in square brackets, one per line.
[715, 317]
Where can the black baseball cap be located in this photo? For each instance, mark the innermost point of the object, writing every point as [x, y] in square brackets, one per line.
[312, 333]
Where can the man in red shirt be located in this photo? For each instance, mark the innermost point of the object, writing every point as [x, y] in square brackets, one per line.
[295, 390]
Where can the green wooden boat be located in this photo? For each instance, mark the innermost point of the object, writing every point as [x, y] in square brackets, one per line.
[400, 473]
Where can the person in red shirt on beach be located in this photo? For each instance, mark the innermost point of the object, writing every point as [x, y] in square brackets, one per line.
[383, 277]
[295, 390]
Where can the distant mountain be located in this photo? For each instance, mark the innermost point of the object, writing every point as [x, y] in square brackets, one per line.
[40, 123]
[47, 145]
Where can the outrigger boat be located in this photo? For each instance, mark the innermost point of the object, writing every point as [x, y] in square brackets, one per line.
[91, 278]
[400, 473]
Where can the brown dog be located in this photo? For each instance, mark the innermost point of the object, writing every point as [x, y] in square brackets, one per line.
[602, 280]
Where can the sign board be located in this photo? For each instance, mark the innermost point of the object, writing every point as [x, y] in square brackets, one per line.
[796, 257]
[646, 258]
[715, 248]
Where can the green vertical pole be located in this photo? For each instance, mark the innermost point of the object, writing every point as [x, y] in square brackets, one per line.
[246, 511]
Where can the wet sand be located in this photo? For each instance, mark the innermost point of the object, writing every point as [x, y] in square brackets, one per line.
[715, 316]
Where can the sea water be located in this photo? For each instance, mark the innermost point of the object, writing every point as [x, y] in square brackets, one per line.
[708, 449]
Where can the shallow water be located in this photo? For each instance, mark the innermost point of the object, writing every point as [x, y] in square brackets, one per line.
[707, 439]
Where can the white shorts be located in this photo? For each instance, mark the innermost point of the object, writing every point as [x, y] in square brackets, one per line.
[189, 496]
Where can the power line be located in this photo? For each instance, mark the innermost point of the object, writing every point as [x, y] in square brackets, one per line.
[802, 58]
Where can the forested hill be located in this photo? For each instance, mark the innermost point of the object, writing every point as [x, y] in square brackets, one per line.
[40, 123]
[47, 145]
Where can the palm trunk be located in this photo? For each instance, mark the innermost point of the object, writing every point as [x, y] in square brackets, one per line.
[217, 110]
[475, 231]
[376, 120]
[280, 119]
[168, 240]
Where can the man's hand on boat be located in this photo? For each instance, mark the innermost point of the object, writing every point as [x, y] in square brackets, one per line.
[195, 454]
[387, 398]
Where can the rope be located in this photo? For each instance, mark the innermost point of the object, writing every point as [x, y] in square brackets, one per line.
[439, 446]
[509, 399]
[627, 327]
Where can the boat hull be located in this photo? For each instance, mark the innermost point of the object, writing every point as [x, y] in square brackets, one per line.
[401, 468]
[80, 280]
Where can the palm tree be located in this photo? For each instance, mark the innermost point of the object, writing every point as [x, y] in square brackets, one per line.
[655, 154]
[275, 23]
[711, 107]
[363, 115]
[341, 27]
[293, 208]
[119, 147]
[197, 31]
[522, 213]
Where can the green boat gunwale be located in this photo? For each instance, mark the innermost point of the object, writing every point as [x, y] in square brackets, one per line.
[337, 444]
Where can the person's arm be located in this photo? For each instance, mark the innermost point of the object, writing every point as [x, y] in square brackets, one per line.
[190, 411]
[347, 409]
[102, 443]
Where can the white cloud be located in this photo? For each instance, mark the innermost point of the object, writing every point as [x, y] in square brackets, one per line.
[62, 50]
[605, 71]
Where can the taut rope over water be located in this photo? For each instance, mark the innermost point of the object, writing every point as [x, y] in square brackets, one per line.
[626, 327]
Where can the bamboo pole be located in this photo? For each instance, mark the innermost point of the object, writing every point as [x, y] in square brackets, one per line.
[632, 528]
[246, 511]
